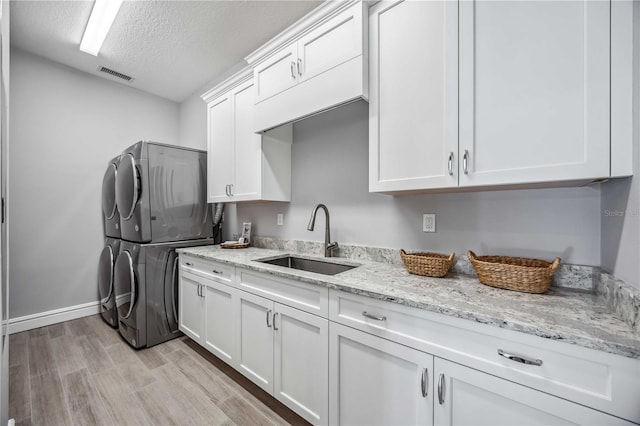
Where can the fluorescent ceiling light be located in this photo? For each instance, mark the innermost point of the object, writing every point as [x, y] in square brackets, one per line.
[100, 21]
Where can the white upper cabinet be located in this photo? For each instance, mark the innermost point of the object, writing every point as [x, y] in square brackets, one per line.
[413, 104]
[534, 91]
[316, 64]
[498, 93]
[277, 74]
[220, 149]
[243, 165]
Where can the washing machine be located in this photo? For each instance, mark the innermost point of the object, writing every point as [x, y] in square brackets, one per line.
[146, 291]
[161, 193]
[106, 266]
[110, 214]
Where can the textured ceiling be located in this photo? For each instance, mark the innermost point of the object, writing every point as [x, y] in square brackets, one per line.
[171, 48]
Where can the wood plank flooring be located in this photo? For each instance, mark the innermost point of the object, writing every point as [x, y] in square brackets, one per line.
[82, 373]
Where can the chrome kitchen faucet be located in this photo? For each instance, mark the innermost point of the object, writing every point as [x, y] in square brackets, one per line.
[328, 245]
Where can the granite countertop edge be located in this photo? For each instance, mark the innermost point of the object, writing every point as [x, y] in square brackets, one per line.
[626, 347]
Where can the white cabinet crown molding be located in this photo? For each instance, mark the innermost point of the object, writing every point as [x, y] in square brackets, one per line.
[307, 23]
[236, 79]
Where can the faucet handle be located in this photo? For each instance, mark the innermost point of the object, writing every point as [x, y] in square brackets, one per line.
[332, 246]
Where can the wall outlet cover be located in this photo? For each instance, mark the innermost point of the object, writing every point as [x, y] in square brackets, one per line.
[429, 222]
[280, 219]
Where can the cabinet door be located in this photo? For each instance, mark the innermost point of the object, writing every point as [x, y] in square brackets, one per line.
[248, 146]
[276, 74]
[534, 91]
[471, 397]
[413, 104]
[331, 44]
[220, 321]
[375, 381]
[302, 363]
[220, 156]
[191, 307]
[255, 339]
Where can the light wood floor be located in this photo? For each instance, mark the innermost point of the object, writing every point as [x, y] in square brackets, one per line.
[81, 372]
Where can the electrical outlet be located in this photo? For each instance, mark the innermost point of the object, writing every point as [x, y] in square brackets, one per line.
[280, 219]
[429, 222]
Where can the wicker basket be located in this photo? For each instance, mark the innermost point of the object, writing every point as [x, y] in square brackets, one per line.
[514, 273]
[427, 264]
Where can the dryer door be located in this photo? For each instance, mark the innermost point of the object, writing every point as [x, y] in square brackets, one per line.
[125, 285]
[109, 192]
[128, 187]
[105, 275]
[171, 291]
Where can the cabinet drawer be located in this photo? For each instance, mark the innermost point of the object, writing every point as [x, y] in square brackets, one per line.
[216, 271]
[600, 380]
[306, 297]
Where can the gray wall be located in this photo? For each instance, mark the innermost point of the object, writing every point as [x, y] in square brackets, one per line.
[330, 165]
[621, 199]
[65, 126]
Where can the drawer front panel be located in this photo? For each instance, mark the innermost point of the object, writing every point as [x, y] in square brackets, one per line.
[306, 297]
[220, 272]
[589, 377]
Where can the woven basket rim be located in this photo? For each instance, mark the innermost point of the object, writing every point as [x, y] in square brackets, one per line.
[484, 260]
[428, 254]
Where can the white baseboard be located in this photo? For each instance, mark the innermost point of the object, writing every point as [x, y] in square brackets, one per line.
[43, 319]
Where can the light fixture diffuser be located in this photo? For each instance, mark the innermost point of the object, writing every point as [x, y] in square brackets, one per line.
[102, 16]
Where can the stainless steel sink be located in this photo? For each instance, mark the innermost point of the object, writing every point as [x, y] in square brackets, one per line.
[309, 265]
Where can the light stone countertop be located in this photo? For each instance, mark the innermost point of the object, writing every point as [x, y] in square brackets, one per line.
[573, 316]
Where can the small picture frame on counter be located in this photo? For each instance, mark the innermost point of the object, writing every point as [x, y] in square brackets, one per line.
[246, 233]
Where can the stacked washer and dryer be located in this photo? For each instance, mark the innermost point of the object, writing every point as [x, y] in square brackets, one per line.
[153, 201]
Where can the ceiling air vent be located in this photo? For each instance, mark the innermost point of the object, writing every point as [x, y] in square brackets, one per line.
[115, 74]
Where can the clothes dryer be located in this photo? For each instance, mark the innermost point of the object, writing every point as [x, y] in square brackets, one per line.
[146, 291]
[110, 214]
[161, 193]
[106, 266]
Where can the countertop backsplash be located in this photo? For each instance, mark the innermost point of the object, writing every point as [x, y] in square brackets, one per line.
[620, 296]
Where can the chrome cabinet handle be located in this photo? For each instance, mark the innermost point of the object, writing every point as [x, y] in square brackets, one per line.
[441, 389]
[450, 164]
[465, 162]
[268, 313]
[274, 321]
[198, 291]
[424, 383]
[293, 73]
[300, 66]
[520, 358]
[231, 190]
[188, 263]
[226, 190]
[215, 271]
[374, 317]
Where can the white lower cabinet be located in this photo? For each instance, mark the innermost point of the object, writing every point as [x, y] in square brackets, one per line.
[255, 339]
[207, 314]
[464, 396]
[373, 381]
[301, 363]
[220, 329]
[285, 352]
[191, 306]
[376, 381]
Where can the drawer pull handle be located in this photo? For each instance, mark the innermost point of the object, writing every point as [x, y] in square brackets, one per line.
[268, 314]
[215, 271]
[188, 263]
[465, 162]
[374, 317]
[274, 322]
[424, 383]
[441, 389]
[519, 358]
